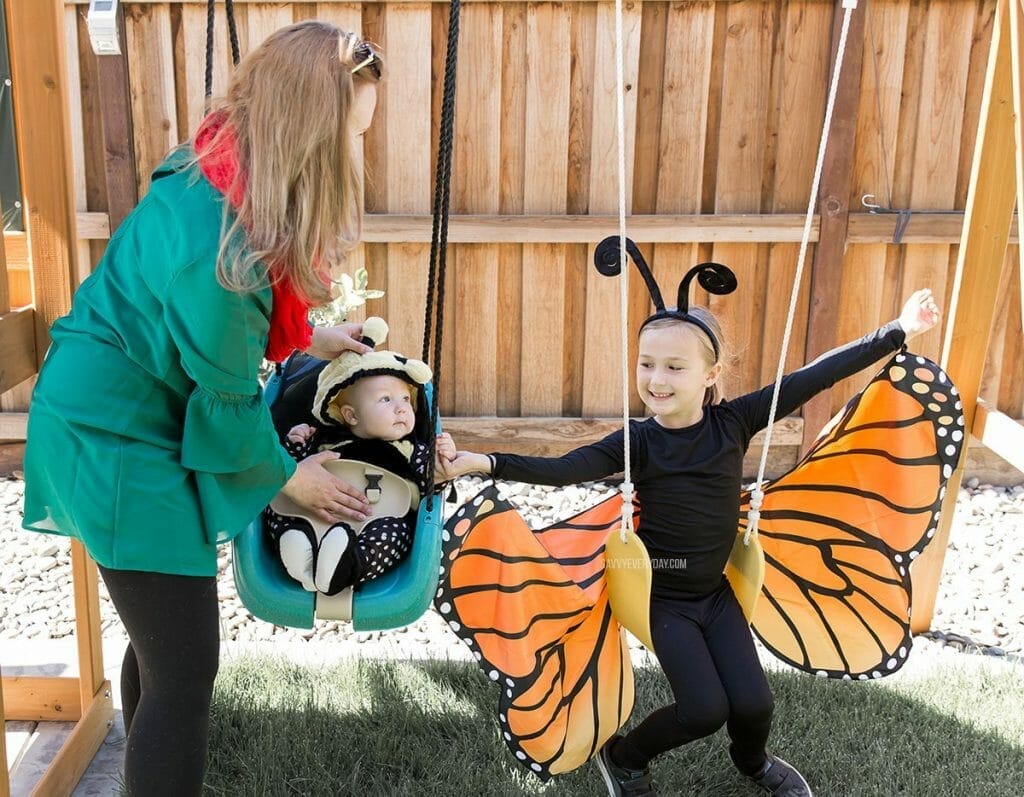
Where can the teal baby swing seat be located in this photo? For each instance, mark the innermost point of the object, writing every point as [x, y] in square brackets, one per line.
[395, 599]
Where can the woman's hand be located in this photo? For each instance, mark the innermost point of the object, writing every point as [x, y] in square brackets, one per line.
[919, 314]
[329, 342]
[315, 488]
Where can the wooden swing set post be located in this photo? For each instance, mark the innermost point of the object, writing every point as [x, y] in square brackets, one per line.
[980, 260]
[36, 41]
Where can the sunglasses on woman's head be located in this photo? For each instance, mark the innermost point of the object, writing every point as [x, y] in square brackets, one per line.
[368, 57]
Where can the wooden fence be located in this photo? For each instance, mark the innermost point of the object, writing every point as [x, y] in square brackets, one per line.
[723, 111]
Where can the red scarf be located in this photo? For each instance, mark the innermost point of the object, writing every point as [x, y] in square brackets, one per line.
[289, 325]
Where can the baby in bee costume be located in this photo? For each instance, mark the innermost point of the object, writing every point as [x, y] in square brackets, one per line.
[366, 406]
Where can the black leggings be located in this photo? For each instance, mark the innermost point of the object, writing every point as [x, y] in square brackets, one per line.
[706, 650]
[166, 678]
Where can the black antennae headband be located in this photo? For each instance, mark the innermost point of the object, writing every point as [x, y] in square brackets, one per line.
[715, 278]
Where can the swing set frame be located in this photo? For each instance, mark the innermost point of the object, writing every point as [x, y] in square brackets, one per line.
[42, 122]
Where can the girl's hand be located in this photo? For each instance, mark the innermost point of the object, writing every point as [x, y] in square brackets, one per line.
[300, 433]
[329, 342]
[919, 314]
[468, 462]
[315, 488]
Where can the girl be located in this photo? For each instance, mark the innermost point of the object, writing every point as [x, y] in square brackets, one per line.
[151, 381]
[687, 462]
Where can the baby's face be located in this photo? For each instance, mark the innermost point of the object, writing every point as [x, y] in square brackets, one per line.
[382, 408]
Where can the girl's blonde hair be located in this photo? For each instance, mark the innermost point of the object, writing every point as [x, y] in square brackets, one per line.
[713, 394]
[288, 105]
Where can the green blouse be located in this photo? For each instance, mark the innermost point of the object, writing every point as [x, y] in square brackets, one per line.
[148, 436]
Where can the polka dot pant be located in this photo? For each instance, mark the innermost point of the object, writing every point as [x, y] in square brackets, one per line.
[382, 545]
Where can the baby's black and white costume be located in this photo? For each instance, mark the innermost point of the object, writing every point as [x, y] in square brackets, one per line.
[342, 559]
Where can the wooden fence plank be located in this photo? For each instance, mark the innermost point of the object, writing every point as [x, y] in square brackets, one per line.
[684, 110]
[546, 162]
[878, 110]
[476, 170]
[405, 128]
[151, 72]
[602, 374]
[649, 90]
[862, 291]
[77, 128]
[515, 59]
[740, 170]
[190, 49]
[258, 20]
[832, 202]
[943, 84]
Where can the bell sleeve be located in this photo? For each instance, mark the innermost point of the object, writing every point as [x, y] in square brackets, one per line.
[228, 441]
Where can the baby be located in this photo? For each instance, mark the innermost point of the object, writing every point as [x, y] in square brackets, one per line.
[367, 408]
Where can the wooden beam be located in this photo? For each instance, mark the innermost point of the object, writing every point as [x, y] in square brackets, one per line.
[338, 2]
[5, 293]
[1017, 59]
[116, 116]
[989, 211]
[74, 756]
[38, 75]
[5, 781]
[834, 210]
[1000, 433]
[85, 579]
[556, 436]
[43, 699]
[17, 347]
[926, 227]
[13, 425]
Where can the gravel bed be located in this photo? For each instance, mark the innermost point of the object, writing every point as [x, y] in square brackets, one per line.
[980, 606]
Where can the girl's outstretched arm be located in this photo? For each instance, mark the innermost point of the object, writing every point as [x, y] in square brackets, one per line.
[919, 314]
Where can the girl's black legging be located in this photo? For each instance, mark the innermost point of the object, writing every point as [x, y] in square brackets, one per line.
[166, 678]
[706, 650]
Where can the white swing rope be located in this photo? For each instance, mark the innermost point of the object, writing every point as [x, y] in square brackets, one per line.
[620, 119]
[757, 494]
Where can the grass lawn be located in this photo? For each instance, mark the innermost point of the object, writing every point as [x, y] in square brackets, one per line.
[382, 727]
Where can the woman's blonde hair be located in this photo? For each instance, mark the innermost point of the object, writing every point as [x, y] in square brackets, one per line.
[288, 105]
[713, 394]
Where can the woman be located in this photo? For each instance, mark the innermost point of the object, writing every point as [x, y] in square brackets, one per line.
[148, 436]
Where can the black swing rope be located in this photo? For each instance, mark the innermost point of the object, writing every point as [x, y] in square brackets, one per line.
[439, 234]
[229, 10]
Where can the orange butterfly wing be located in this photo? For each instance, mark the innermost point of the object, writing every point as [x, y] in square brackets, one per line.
[533, 608]
[840, 530]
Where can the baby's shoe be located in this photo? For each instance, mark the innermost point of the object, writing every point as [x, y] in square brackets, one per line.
[781, 779]
[336, 562]
[297, 549]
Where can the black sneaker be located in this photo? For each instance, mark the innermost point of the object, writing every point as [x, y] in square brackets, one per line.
[622, 782]
[781, 779]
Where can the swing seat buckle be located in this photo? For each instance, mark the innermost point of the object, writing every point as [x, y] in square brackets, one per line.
[373, 487]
